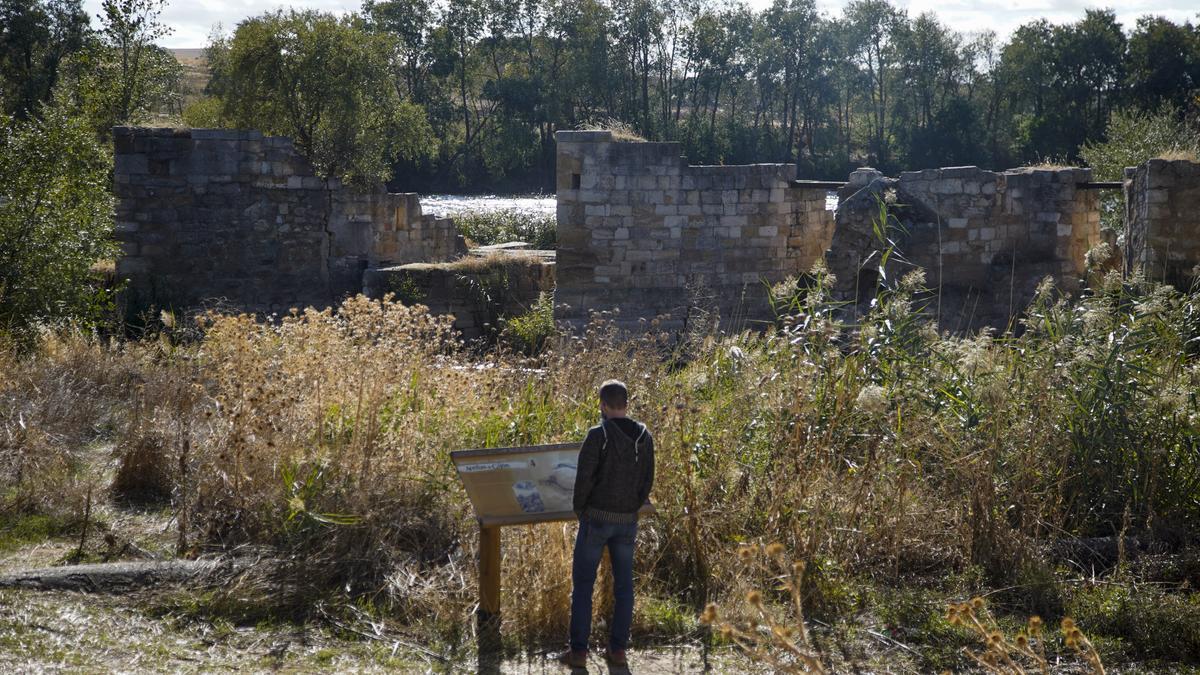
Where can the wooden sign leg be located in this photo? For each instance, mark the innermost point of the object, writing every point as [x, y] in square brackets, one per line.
[489, 598]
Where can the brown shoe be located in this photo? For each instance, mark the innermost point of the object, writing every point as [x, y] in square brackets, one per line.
[573, 659]
[616, 657]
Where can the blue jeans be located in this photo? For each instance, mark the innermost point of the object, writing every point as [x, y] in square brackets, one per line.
[589, 546]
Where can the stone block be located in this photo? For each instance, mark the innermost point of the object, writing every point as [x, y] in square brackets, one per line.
[131, 164]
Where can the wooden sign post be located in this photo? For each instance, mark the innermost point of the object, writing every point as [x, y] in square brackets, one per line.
[513, 486]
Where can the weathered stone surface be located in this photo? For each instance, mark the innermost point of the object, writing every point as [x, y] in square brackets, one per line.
[1162, 215]
[984, 239]
[229, 218]
[643, 234]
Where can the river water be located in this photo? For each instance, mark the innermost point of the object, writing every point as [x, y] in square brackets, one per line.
[444, 206]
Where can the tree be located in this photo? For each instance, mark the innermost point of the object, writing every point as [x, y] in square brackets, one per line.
[873, 26]
[55, 220]
[1134, 136]
[121, 77]
[1164, 63]
[323, 81]
[35, 37]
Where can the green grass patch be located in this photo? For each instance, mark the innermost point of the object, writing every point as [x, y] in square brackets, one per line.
[1139, 621]
[485, 228]
[19, 531]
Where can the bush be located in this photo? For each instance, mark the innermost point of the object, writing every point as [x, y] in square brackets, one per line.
[529, 332]
[1132, 137]
[55, 221]
[485, 228]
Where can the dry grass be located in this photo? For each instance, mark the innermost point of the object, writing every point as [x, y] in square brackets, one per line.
[1179, 154]
[885, 457]
[622, 132]
[490, 261]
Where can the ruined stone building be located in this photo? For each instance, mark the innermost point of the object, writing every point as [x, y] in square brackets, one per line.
[238, 220]
[211, 217]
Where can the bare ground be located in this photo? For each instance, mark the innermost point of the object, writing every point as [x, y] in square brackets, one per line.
[54, 631]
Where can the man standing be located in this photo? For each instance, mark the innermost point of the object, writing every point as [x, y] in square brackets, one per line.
[616, 472]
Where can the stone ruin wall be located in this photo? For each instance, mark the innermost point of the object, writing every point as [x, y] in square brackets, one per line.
[1162, 212]
[233, 218]
[236, 219]
[643, 234]
[985, 239]
[478, 292]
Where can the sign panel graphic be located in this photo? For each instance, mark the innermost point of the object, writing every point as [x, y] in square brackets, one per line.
[520, 485]
[512, 486]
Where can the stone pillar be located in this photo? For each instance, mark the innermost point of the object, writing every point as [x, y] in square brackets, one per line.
[1163, 221]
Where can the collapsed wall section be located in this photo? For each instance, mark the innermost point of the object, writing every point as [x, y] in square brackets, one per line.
[478, 292]
[984, 239]
[1162, 215]
[643, 234]
[237, 219]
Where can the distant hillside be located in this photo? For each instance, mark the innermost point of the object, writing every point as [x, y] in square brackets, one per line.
[195, 73]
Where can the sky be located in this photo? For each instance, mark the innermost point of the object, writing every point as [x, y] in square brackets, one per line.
[192, 21]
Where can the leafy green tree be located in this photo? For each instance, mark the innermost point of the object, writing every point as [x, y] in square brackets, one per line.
[324, 81]
[1134, 136]
[1164, 63]
[874, 25]
[121, 77]
[35, 37]
[55, 220]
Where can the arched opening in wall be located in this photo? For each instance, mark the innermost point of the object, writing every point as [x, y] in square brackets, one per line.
[868, 283]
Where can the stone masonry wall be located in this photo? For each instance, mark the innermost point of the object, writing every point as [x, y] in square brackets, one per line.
[209, 216]
[1162, 216]
[984, 239]
[642, 233]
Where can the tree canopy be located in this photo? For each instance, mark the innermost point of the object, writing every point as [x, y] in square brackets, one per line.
[871, 85]
[325, 82]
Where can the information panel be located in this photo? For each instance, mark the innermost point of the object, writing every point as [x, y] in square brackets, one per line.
[512, 486]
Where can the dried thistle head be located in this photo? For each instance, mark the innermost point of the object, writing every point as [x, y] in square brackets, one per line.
[709, 615]
[775, 549]
[754, 599]
[746, 552]
[953, 616]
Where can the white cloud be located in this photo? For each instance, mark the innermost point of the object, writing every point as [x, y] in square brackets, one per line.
[192, 20]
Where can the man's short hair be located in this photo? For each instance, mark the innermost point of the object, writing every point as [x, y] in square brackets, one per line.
[614, 394]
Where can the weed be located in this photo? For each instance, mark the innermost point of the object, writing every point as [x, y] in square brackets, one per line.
[529, 332]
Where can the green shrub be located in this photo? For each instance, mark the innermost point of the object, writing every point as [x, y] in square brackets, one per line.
[55, 221]
[530, 331]
[498, 227]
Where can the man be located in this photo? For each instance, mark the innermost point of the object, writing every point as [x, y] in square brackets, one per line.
[616, 472]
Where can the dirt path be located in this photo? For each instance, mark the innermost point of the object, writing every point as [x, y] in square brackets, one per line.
[58, 631]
